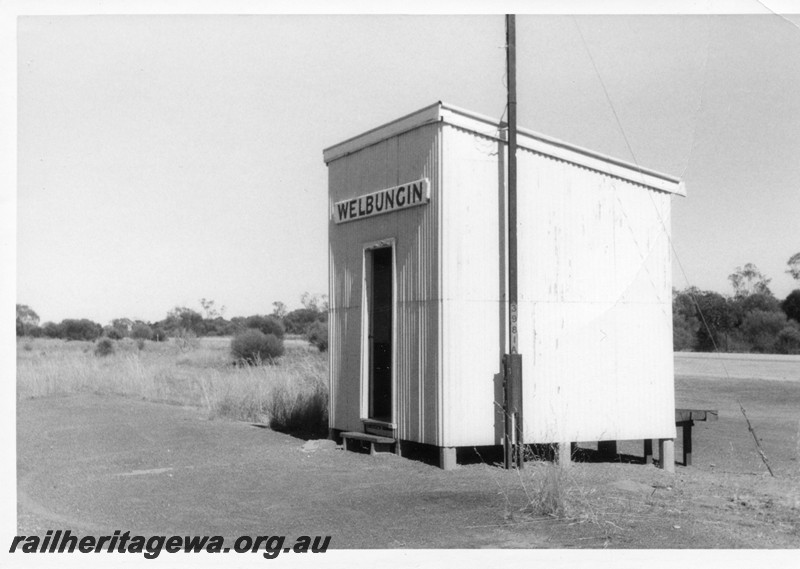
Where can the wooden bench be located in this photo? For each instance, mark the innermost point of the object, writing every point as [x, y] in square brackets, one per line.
[684, 418]
[376, 443]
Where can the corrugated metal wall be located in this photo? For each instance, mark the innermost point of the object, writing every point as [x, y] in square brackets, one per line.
[473, 283]
[595, 294]
[403, 158]
[595, 303]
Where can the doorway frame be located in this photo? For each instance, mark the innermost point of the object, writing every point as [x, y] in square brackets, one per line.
[366, 290]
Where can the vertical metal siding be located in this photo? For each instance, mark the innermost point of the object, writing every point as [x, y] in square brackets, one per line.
[596, 322]
[595, 294]
[473, 280]
[402, 158]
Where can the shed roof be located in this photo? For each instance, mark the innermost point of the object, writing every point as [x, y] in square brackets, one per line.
[481, 124]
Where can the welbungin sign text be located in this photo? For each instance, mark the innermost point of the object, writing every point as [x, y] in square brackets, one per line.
[383, 201]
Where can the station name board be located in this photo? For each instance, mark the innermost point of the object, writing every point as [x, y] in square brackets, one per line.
[383, 201]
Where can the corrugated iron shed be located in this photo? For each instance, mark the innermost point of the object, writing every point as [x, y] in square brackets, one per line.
[594, 281]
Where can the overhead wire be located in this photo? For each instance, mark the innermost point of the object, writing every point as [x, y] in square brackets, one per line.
[672, 245]
[658, 213]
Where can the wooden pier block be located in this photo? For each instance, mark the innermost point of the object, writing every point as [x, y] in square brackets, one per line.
[447, 458]
[648, 451]
[607, 449]
[687, 443]
[666, 454]
[564, 454]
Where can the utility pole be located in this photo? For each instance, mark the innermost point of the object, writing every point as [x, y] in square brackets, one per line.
[512, 362]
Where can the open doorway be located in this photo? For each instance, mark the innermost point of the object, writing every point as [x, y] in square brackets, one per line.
[380, 319]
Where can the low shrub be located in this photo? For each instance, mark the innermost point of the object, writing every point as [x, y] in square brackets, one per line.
[761, 328]
[298, 321]
[185, 339]
[159, 334]
[105, 347]
[683, 332]
[317, 335]
[83, 329]
[791, 305]
[299, 407]
[112, 333]
[764, 302]
[254, 347]
[51, 330]
[141, 331]
[736, 342]
[266, 324]
[789, 339]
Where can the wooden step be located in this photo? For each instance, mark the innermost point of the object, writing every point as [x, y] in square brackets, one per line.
[376, 443]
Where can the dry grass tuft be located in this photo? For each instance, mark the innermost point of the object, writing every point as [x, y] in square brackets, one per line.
[548, 494]
[300, 406]
[291, 395]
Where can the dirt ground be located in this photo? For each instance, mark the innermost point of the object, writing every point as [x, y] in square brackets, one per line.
[94, 464]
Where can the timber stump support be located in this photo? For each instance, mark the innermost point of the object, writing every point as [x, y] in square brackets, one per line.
[648, 451]
[607, 449]
[666, 454]
[564, 454]
[447, 458]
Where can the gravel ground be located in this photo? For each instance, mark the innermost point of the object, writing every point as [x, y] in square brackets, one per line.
[95, 464]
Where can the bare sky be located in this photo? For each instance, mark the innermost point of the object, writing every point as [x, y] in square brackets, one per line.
[162, 159]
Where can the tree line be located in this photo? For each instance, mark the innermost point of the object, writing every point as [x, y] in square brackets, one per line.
[309, 321]
[752, 319]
